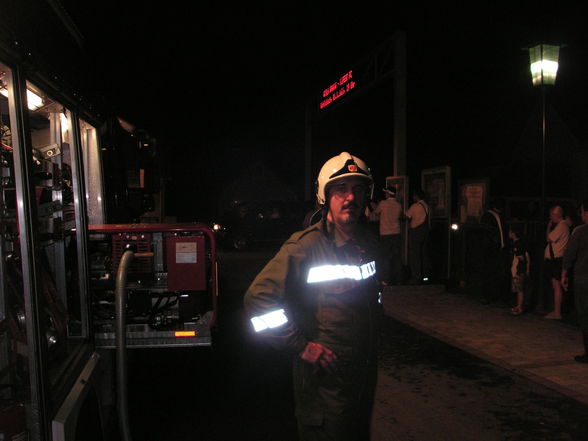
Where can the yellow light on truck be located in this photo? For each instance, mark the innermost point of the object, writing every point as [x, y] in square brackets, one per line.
[185, 334]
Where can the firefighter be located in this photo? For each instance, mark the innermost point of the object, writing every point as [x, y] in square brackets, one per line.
[319, 299]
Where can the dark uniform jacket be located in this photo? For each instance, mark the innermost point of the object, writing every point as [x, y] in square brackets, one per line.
[576, 253]
[575, 260]
[328, 290]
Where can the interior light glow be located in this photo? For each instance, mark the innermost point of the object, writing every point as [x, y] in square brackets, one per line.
[64, 122]
[454, 227]
[546, 68]
[34, 101]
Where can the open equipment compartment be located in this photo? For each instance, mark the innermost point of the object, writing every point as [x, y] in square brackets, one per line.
[172, 284]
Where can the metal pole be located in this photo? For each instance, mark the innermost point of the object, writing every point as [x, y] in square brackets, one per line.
[543, 127]
[542, 222]
[400, 104]
[308, 154]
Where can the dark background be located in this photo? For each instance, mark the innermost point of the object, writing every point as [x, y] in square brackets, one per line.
[222, 86]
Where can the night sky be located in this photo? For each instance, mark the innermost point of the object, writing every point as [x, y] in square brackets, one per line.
[223, 86]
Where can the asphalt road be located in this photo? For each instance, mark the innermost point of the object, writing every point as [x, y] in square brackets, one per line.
[428, 390]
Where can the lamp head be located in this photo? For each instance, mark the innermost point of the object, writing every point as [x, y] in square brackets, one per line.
[544, 61]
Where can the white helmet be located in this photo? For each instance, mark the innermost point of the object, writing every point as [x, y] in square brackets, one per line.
[338, 167]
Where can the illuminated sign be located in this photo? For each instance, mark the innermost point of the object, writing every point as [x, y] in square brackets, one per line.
[337, 89]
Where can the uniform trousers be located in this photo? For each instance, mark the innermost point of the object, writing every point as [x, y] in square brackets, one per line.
[418, 253]
[391, 265]
[581, 304]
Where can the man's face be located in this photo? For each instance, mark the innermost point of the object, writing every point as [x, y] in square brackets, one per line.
[347, 199]
[555, 214]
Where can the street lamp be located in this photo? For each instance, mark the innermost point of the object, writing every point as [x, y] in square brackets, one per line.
[544, 64]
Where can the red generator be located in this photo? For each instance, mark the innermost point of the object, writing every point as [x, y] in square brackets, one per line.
[171, 283]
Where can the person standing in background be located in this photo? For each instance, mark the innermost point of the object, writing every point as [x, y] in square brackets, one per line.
[520, 268]
[575, 261]
[389, 212]
[418, 238]
[557, 236]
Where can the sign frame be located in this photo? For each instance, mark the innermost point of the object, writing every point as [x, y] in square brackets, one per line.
[472, 203]
[436, 184]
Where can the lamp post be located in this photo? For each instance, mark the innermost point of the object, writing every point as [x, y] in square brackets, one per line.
[544, 64]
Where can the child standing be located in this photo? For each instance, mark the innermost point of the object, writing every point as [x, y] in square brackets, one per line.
[520, 267]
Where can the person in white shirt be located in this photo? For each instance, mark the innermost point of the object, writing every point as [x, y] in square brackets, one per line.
[557, 236]
[418, 238]
[389, 212]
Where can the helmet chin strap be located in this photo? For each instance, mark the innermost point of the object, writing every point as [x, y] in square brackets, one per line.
[325, 213]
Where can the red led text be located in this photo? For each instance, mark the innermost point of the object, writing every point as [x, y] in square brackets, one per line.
[337, 89]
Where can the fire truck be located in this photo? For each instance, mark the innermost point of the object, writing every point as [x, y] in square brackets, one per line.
[83, 278]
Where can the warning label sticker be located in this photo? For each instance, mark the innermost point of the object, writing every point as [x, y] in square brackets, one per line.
[186, 252]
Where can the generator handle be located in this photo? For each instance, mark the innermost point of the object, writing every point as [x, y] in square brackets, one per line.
[149, 254]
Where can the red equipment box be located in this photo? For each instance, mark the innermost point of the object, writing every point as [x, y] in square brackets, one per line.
[186, 265]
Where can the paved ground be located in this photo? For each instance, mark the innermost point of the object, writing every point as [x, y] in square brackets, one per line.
[430, 390]
[529, 345]
[427, 391]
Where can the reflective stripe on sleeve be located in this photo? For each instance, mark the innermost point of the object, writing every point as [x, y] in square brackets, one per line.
[270, 320]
